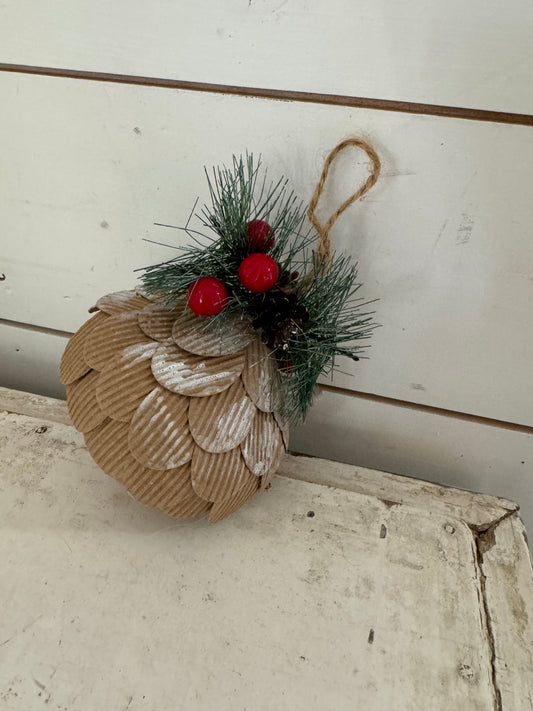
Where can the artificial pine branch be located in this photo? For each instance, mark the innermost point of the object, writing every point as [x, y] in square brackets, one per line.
[308, 318]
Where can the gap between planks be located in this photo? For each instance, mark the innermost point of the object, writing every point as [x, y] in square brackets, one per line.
[408, 107]
[36, 329]
[483, 542]
[431, 409]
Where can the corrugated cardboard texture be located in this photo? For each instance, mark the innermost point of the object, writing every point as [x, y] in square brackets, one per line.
[175, 408]
[195, 335]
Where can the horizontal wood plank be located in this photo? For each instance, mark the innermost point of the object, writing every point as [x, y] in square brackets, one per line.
[474, 55]
[442, 240]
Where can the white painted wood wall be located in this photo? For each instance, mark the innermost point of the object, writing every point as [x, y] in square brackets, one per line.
[109, 112]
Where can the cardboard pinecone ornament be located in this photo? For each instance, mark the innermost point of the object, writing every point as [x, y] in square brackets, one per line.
[184, 387]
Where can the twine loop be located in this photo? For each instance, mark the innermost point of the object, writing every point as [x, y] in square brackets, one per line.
[323, 251]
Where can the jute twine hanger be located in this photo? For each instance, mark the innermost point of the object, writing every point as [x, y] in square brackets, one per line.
[323, 251]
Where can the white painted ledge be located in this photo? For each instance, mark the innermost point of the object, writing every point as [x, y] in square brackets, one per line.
[370, 592]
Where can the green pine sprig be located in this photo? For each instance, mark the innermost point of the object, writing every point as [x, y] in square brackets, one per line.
[309, 318]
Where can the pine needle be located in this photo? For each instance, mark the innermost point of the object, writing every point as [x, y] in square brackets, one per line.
[321, 322]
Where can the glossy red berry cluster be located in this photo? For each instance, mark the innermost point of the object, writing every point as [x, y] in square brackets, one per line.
[258, 273]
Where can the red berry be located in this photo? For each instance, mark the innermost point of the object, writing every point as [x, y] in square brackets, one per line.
[260, 235]
[207, 296]
[258, 272]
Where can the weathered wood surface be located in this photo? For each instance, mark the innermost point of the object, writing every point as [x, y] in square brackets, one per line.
[443, 449]
[506, 566]
[18, 402]
[474, 54]
[461, 454]
[442, 240]
[346, 599]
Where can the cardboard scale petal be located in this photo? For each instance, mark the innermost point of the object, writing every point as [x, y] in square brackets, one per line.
[118, 332]
[224, 508]
[196, 376]
[203, 336]
[84, 410]
[108, 445]
[141, 291]
[188, 507]
[217, 477]
[73, 363]
[259, 375]
[121, 301]
[171, 491]
[157, 322]
[126, 381]
[159, 436]
[220, 422]
[263, 447]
